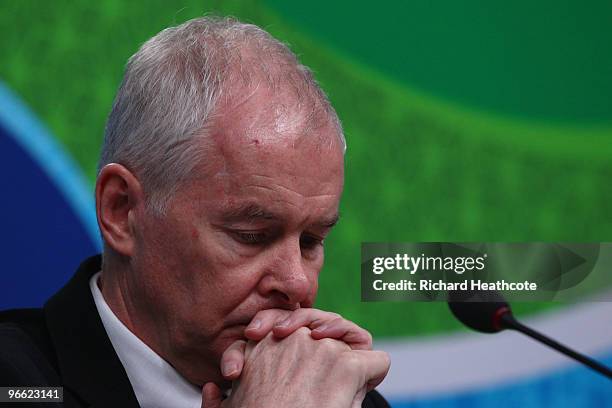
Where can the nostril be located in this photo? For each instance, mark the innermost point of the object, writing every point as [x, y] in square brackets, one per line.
[282, 297]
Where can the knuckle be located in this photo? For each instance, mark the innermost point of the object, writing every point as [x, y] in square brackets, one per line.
[302, 332]
[352, 362]
[332, 346]
[328, 349]
[328, 343]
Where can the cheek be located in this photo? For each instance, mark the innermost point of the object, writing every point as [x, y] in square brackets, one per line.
[197, 275]
[223, 278]
[168, 265]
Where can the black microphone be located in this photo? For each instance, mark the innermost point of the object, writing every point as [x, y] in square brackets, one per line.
[488, 312]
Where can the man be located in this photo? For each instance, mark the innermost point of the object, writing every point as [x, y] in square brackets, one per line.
[220, 177]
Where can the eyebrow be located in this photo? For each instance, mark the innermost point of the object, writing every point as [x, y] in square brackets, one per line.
[330, 222]
[249, 211]
[253, 212]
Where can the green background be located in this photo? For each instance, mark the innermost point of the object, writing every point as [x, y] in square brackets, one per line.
[465, 121]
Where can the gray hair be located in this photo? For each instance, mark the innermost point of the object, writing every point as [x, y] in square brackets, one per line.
[172, 87]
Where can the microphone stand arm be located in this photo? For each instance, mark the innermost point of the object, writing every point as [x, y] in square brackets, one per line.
[509, 322]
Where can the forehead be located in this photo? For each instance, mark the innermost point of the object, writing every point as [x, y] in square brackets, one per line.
[276, 106]
[293, 167]
[266, 155]
[275, 130]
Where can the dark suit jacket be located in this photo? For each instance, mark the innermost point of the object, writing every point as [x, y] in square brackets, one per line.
[65, 344]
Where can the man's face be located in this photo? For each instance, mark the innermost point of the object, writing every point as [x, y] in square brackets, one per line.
[244, 234]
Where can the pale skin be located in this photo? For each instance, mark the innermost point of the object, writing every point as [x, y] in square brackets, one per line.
[241, 243]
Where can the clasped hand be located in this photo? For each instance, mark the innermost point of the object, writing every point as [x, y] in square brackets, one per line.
[301, 358]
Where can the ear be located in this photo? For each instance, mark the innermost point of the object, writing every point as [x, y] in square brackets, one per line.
[118, 197]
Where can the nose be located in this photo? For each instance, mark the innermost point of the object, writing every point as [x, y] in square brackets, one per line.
[289, 279]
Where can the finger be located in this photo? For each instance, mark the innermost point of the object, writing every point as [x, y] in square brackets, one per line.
[375, 365]
[325, 324]
[305, 317]
[249, 348]
[263, 322]
[356, 337]
[211, 396]
[232, 360]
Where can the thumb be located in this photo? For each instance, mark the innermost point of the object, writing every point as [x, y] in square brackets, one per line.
[211, 396]
[376, 366]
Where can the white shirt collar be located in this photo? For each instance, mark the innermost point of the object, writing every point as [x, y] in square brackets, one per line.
[155, 382]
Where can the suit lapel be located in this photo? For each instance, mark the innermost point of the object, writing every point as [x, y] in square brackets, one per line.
[88, 364]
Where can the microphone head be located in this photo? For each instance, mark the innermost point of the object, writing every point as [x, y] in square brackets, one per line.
[479, 310]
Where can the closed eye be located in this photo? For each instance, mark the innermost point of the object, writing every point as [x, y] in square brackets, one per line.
[310, 242]
[249, 238]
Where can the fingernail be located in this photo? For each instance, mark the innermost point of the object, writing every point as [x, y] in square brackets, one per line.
[229, 369]
[254, 325]
[282, 323]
